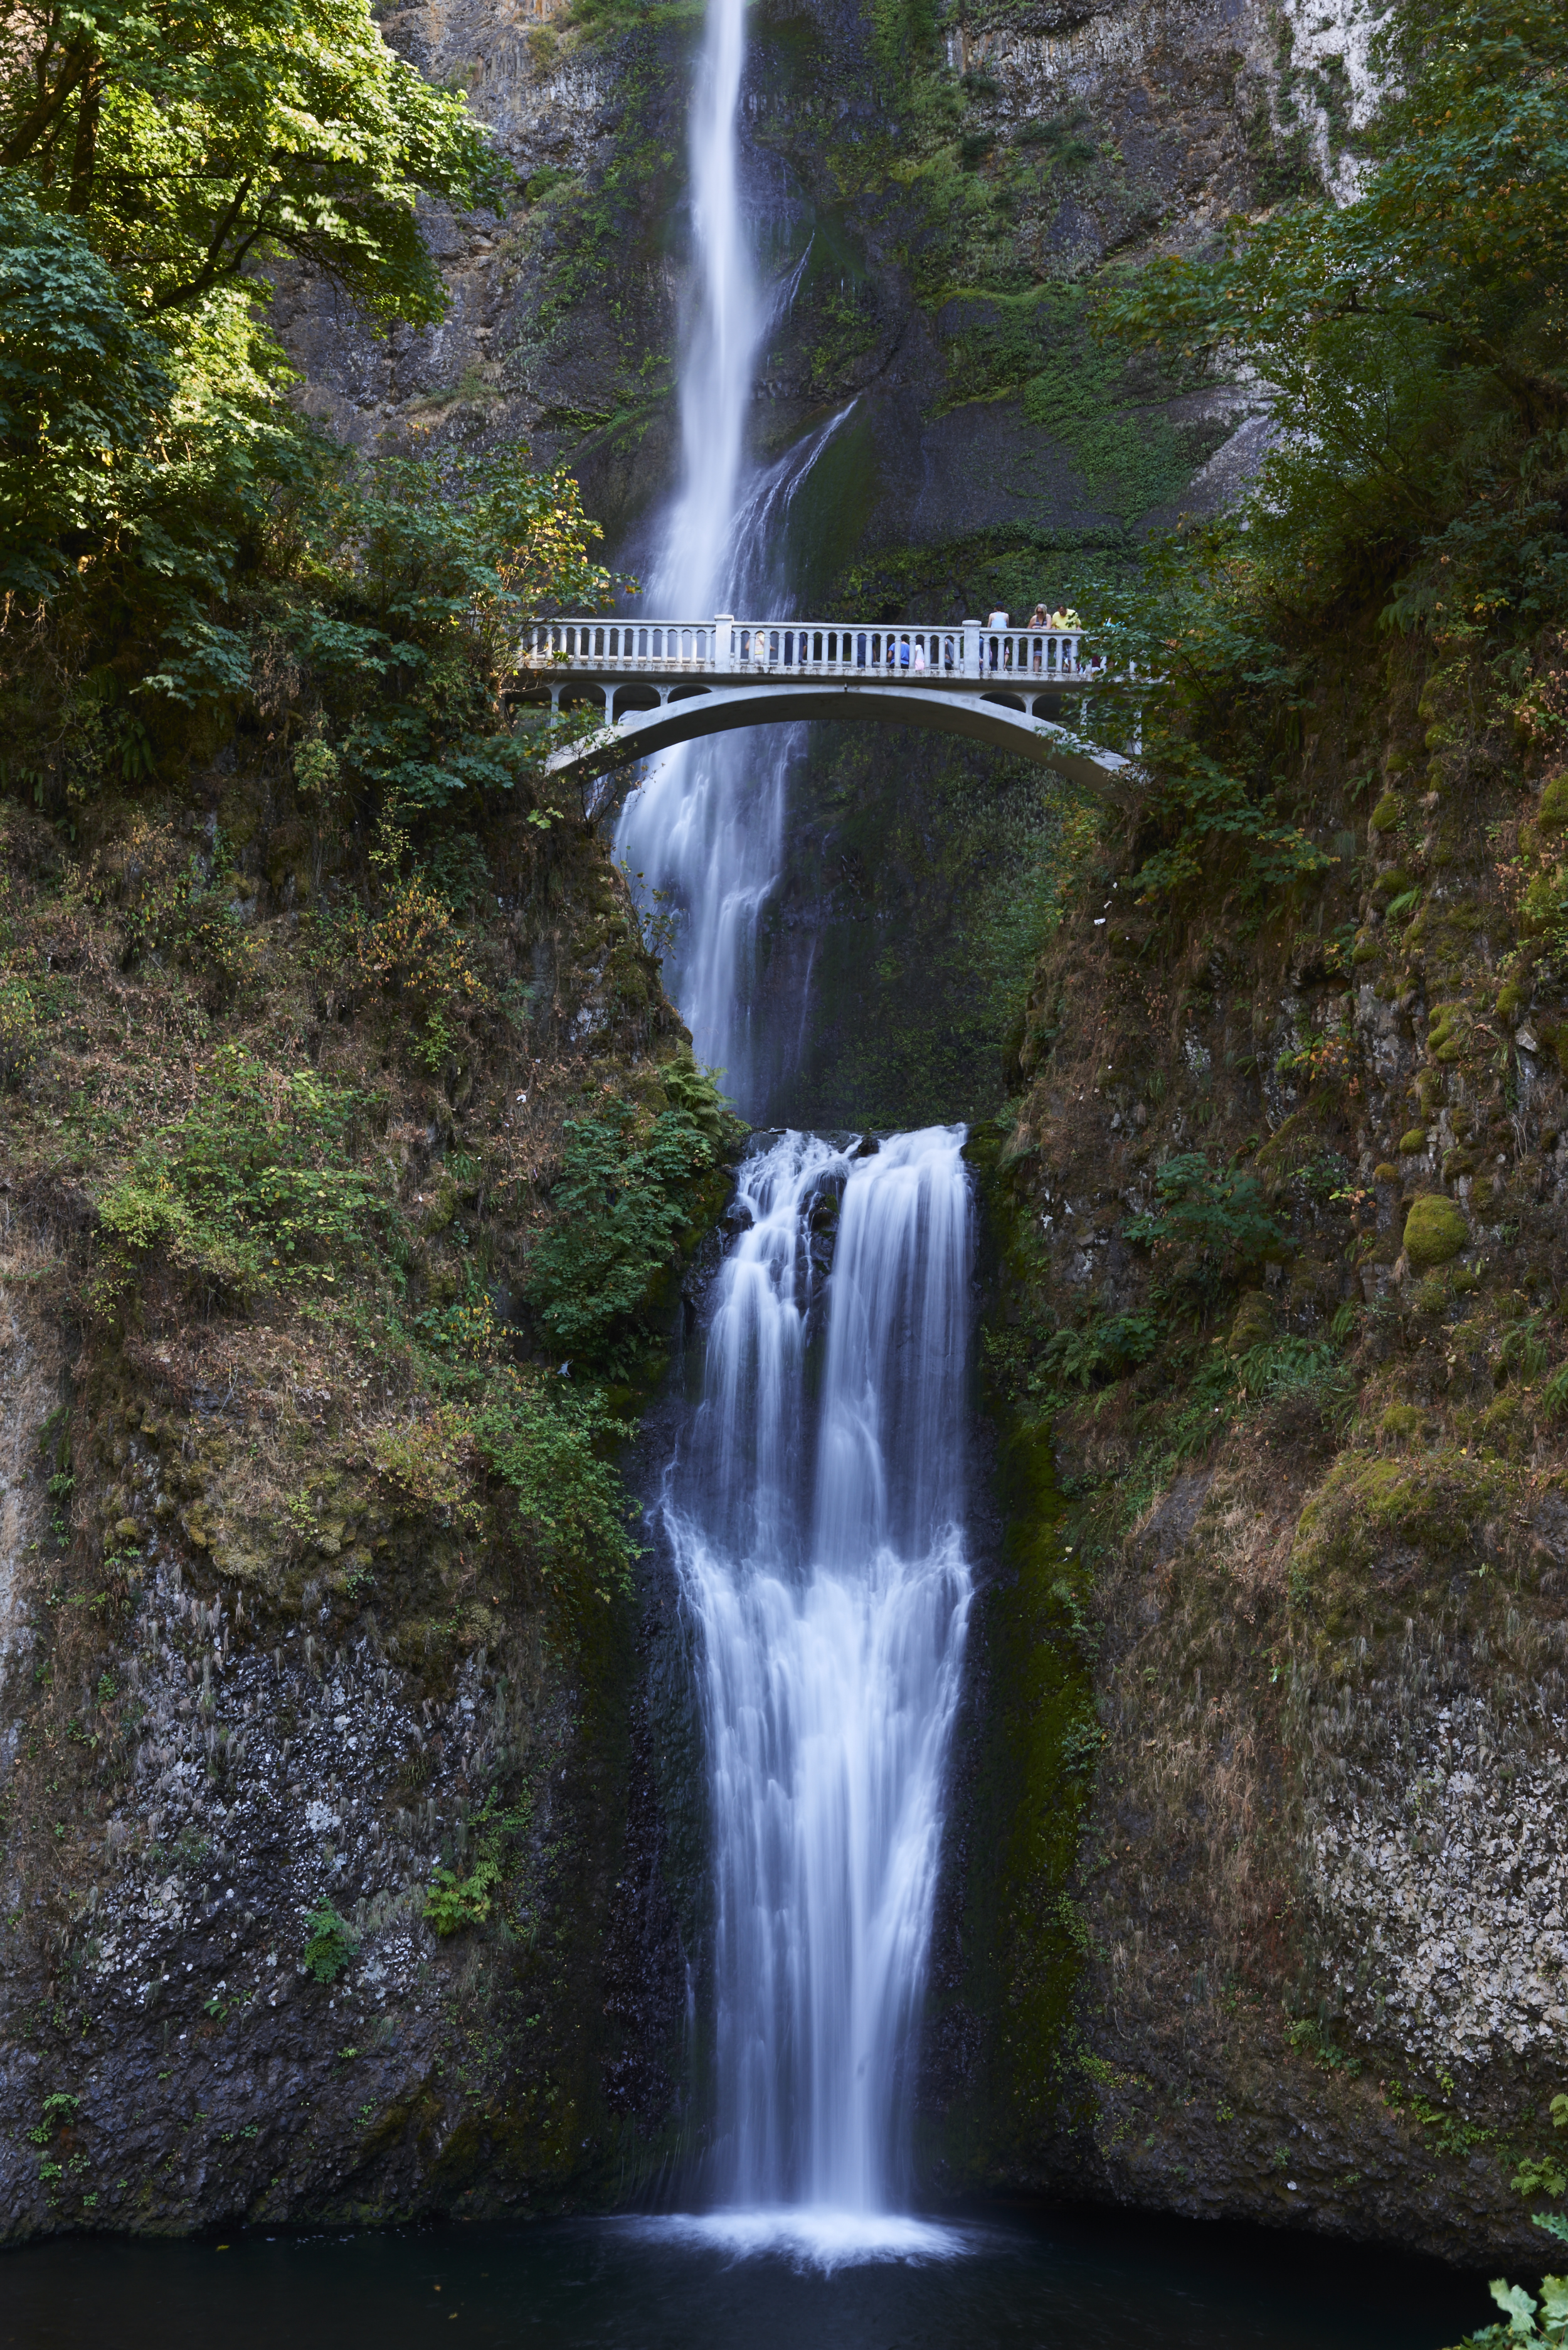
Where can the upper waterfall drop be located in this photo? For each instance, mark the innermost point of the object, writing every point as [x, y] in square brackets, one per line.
[707, 825]
[720, 358]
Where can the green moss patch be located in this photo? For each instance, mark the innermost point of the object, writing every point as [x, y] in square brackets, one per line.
[1379, 1522]
[1435, 1231]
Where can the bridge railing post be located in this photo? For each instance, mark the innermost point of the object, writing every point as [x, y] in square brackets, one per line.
[972, 648]
[724, 640]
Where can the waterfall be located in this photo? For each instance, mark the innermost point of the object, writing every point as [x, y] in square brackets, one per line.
[815, 1520]
[814, 1508]
[706, 827]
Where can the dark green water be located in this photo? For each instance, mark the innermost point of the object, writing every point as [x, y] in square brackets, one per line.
[1062, 2284]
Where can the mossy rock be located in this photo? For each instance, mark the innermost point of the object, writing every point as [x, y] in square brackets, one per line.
[1385, 1173]
[1456, 1162]
[1388, 1521]
[1552, 814]
[1290, 1147]
[1392, 884]
[1389, 811]
[1508, 1426]
[1412, 1141]
[1253, 1324]
[1400, 1424]
[1435, 1231]
[1365, 950]
[1509, 999]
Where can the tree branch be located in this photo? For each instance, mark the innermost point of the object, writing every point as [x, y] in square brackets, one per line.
[85, 152]
[73, 66]
[214, 266]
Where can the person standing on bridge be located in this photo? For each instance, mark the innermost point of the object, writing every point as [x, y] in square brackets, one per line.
[919, 661]
[997, 620]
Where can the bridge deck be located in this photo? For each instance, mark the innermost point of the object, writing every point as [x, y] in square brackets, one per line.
[727, 651]
[663, 683]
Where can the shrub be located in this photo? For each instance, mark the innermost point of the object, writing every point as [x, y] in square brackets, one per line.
[331, 1945]
[622, 1198]
[411, 953]
[1110, 1345]
[19, 1030]
[541, 1434]
[252, 1190]
[1210, 1229]
[454, 1903]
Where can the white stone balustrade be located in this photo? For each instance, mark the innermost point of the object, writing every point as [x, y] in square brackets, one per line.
[959, 654]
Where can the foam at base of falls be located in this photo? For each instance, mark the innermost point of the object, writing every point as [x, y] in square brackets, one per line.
[811, 2236]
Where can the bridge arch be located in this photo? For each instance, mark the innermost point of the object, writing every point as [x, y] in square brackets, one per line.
[646, 719]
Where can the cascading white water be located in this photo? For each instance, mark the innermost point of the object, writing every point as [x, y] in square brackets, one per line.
[820, 1549]
[720, 349]
[815, 1510]
[706, 826]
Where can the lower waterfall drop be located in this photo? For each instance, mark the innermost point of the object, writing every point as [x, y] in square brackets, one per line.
[819, 1541]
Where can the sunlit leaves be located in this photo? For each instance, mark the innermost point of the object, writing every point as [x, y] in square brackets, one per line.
[193, 140]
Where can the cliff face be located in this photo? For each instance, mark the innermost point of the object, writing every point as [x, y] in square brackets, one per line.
[278, 1647]
[1278, 1664]
[1086, 134]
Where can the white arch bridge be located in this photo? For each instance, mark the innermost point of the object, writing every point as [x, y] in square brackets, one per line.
[662, 682]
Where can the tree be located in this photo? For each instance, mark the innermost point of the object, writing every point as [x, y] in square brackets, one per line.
[193, 139]
[80, 380]
[414, 583]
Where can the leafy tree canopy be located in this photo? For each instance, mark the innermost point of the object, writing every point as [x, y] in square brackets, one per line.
[190, 139]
